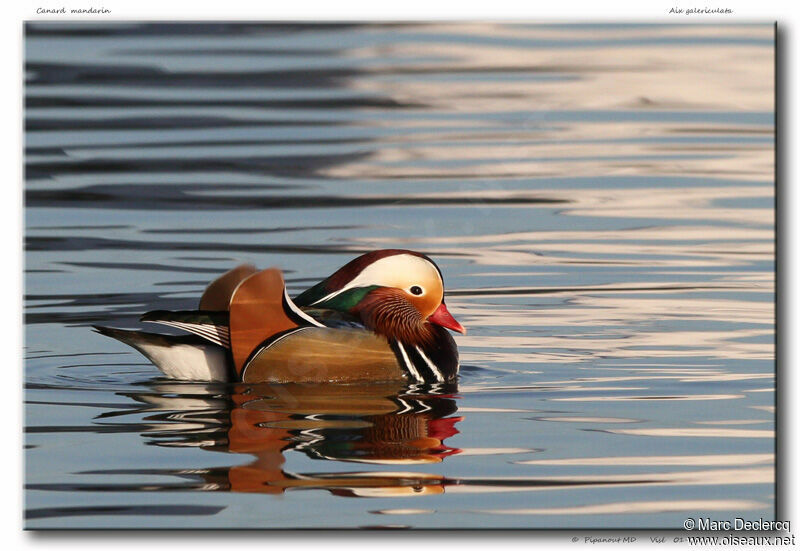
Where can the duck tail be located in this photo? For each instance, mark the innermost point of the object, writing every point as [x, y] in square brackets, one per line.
[184, 357]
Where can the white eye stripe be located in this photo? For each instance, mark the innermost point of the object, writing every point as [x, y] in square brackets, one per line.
[392, 271]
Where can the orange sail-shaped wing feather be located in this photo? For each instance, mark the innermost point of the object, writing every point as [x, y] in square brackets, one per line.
[257, 312]
[217, 295]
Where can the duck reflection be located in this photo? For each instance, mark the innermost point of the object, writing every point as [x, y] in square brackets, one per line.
[384, 424]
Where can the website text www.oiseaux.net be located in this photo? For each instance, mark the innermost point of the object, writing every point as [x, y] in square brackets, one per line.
[733, 540]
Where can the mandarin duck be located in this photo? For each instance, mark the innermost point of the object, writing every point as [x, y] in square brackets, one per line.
[381, 317]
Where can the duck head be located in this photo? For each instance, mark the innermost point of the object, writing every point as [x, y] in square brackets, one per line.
[394, 292]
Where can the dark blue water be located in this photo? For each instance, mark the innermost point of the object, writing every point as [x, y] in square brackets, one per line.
[598, 197]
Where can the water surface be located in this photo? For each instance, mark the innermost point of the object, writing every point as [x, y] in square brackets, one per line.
[598, 197]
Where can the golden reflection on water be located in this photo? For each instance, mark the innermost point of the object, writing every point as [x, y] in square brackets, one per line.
[698, 433]
[681, 76]
[632, 236]
[639, 507]
[698, 460]
[391, 164]
[535, 85]
[639, 397]
[626, 344]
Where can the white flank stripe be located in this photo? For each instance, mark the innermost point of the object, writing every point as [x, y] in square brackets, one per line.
[434, 369]
[298, 311]
[409, 365]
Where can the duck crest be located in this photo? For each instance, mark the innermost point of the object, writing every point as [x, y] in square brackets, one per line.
[344, 276]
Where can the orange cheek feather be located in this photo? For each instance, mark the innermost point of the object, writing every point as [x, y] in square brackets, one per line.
[426, 305]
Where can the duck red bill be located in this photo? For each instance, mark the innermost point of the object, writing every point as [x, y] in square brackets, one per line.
[444, 318]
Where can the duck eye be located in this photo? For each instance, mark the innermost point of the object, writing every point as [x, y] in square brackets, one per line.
[416, 290]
